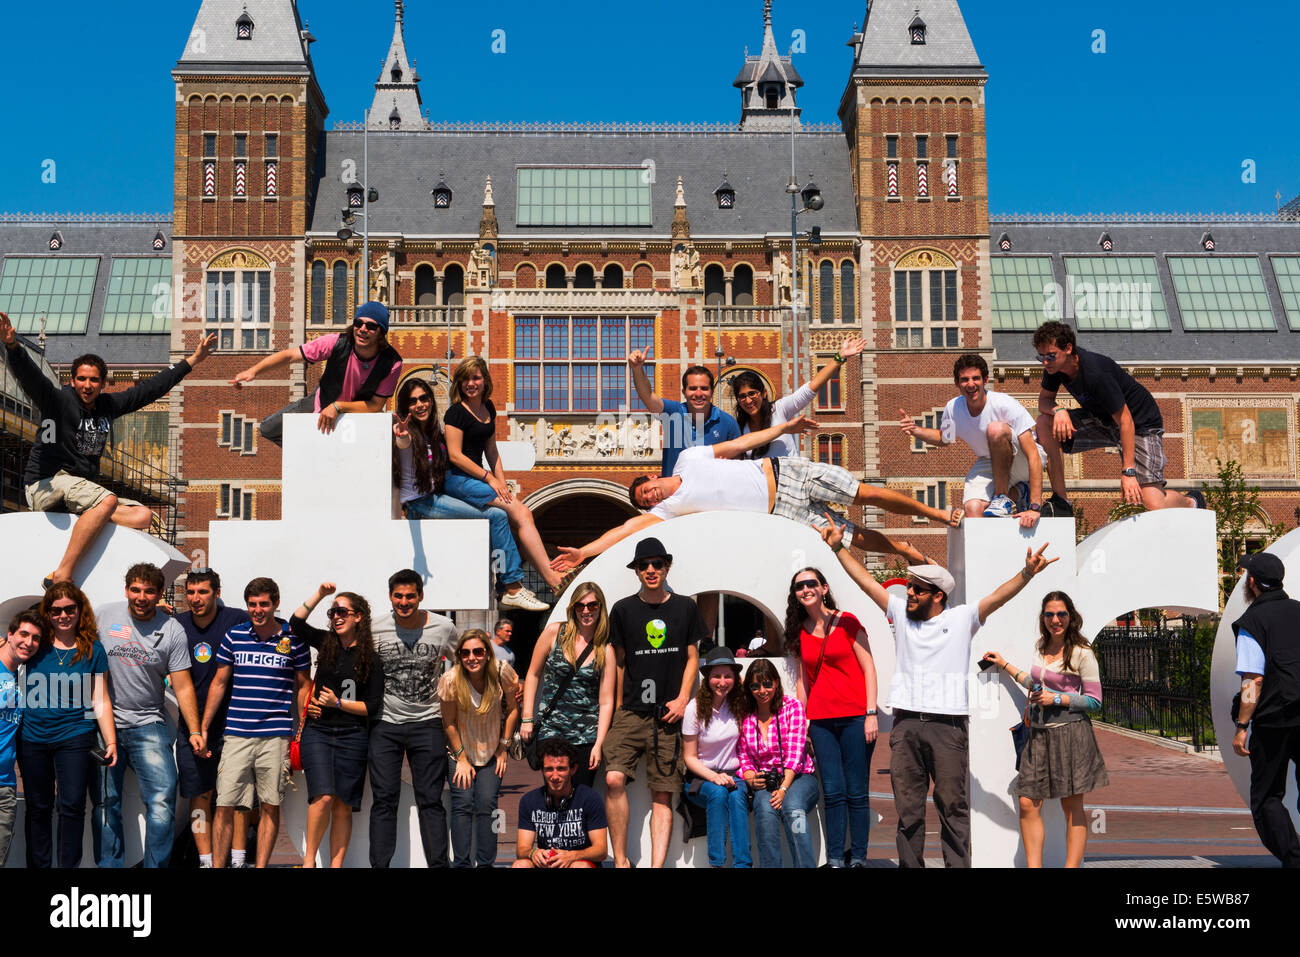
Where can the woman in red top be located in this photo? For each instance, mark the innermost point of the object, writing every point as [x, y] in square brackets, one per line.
[837, 681]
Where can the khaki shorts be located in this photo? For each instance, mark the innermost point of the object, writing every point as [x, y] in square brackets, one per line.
[632, 735]
[65, 492]
[248, 764]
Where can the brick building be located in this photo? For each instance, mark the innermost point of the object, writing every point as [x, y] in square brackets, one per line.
[552, 250]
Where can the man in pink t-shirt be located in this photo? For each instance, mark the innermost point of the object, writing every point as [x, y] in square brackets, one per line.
[361, 372]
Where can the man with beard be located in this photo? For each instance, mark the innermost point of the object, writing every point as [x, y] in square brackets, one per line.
[929, 695]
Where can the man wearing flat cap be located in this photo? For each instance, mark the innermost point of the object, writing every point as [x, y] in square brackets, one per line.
[655, 635]
[929, 696]
[1268, 661]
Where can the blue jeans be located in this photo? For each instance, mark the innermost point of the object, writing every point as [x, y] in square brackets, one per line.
[844, 762]
[468, 488]
[149, 752]
[505, 554]
[727, 811]
[473, 815]
[796, 807]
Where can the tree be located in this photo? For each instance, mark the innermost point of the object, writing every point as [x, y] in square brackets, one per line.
[1235, 504]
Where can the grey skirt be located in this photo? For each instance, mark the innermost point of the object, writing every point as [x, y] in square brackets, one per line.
[1060, 761]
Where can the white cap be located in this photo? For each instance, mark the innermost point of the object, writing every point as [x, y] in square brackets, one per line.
[935, 575]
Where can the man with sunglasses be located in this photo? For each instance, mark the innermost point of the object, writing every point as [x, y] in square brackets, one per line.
[1114, 412]
[361, 372]
[930, 695]
[655, 635]
[146, 648]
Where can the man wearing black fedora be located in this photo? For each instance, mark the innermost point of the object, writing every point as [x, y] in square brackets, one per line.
[655, 635]
[1268, 661]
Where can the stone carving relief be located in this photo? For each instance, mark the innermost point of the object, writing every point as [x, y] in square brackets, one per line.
[610, 437]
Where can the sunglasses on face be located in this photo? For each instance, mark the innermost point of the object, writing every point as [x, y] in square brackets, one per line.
[806, 583]
[473, 652]
[593, 605]
[423, 399]
[1056, 614]
[658, 564]
[338, 611]
[58, 611]
[367, 325]
[919, 588]
[1046, 356]
[763, 684]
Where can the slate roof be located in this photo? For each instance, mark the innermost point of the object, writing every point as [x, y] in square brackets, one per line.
[887, 48]
[276, 46]
[103, 241]
[1161, 240]
[404, 167]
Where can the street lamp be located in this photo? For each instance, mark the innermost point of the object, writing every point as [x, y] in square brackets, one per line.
[360, 195]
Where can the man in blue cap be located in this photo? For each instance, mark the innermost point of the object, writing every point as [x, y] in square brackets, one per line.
[361, 372]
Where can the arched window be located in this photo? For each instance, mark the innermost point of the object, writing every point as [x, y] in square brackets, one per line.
[613, 276]
[830, 449]
[742, 286]
[584, 277]
[426, 286]
[397, 73]
[318, 292]
[555, 277]
[848, 293]
[339, 304]
[826, 294]
[715, 286]
[453, 286]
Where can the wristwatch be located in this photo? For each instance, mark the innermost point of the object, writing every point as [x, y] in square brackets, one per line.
[1242, 727]
[871, 712]
[1035, 507]
[1129, 473]
[1056, 700]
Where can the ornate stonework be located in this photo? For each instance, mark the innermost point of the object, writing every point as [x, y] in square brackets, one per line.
[609, 438]
[1255, 432]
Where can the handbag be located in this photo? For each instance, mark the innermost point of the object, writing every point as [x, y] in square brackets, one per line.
[295, 751]
[695, 818]
[1019, 740]
[532, 747]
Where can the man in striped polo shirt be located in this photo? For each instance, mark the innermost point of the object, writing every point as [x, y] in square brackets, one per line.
[263, 664]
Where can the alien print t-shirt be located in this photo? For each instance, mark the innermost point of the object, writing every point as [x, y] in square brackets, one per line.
[654, 640]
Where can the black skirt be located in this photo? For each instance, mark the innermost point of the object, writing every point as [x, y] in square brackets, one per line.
[1060, 761]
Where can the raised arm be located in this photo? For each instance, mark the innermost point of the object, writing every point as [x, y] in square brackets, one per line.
[1034, 563]
[848, 349]
[734, 448]
[38, 388]
[833, 536]
[273, 361]
[645, 392]
[573, 557]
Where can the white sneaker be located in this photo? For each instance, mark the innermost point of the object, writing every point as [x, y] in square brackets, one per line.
[524, 600]
[1000, 507]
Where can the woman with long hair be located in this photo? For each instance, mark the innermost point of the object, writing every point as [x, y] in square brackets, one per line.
[569, 689]
[474, 693]
[756, 412]
[470, 428]
[59, 736]
[419, 473]
[1061, 758]
[777, 767]
[347, 693]
[837, 682]
[711, 748]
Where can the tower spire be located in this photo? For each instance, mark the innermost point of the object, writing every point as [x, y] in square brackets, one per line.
[397, 83]
[768, 82]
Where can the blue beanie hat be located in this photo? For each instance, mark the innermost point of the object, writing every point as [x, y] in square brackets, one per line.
[375, 311]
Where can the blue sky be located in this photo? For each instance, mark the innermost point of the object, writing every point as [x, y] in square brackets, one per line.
[1163, 120]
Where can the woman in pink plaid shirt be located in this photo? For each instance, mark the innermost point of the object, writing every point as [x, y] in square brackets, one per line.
[775, 763]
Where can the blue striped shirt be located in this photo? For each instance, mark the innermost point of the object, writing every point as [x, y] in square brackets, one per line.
[263, 682]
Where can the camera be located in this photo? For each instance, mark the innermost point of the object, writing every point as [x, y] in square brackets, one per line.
[772, 779]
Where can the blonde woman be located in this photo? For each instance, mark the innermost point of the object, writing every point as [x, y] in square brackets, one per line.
[574, 666]
[470, 430]
[473, 694]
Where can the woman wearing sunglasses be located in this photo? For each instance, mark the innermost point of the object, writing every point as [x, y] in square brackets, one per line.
[470, 426]
[57, 738]
[1061, 758]
[837, 680]
[710, 748]
[777, 768]
[419, 473]
[756, 412]
[361, 372]
[473, 694]
[574, 666]
[347, 693]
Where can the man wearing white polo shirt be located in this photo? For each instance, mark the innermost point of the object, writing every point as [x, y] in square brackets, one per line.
[929, 696]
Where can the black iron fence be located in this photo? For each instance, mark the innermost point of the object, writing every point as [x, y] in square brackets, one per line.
[1156, 678]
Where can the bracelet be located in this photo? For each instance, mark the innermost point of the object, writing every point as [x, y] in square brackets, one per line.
[485, 475]
[837, 547]
[337, 410]
[525, 720]
[458, 752]
[196, 734]
[1026, 574]
[504, 742]
[839, 358]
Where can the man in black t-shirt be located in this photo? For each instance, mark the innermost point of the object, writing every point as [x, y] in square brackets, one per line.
[1114, 412]
[655, 635]
[560, 825]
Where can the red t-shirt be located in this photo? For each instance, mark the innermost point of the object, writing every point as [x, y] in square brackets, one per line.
[838, 689]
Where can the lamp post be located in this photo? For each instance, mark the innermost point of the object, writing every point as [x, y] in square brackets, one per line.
[811, 198]
[359, 196]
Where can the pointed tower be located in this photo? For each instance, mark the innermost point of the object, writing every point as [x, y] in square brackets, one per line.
[767, 83]
[913, 115]
[397, 103]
